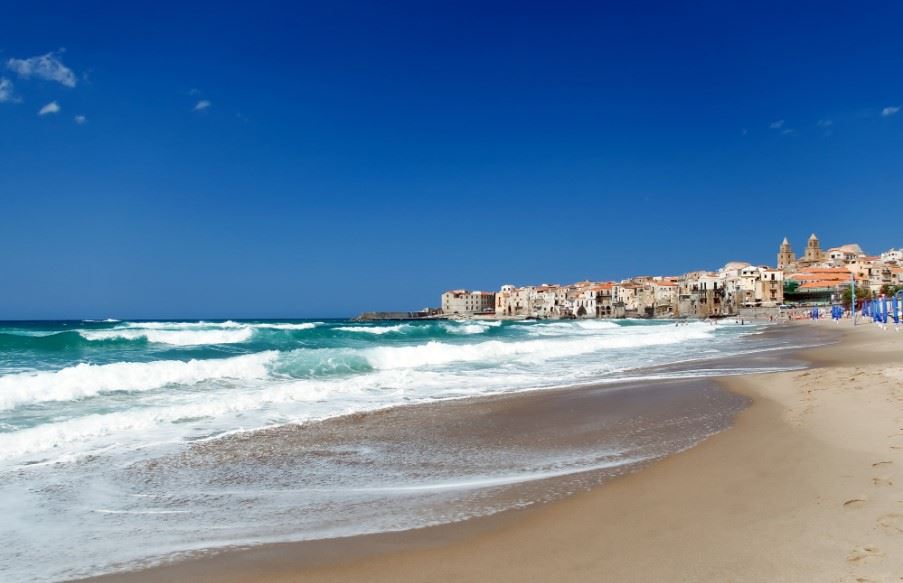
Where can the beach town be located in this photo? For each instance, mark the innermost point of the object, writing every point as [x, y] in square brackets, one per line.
[817, 278]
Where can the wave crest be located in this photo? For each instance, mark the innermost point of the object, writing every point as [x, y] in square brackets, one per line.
[87, 380]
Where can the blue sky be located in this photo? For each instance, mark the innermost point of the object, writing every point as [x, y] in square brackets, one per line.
[320, 159]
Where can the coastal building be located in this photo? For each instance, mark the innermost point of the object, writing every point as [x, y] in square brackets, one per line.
[550, 301]
[625, 299]
[701, 294]
[594, 301]
[771, 287]
[839, 256]
[512, 301]
[462, 302]
[816, 277]
[664, 298]
[892, 255]
[822, 284]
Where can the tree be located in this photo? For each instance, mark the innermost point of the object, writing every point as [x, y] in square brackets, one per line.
[861, 294]
[790, 286]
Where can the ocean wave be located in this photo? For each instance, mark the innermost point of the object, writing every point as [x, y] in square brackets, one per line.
[87, 380]
[173, 337]
[191, 333]
[374, 329]
[571, 327]
[440, 353]
[228, 324]
[49, 341]
[468, 327]
[81, 435]
[298, 326]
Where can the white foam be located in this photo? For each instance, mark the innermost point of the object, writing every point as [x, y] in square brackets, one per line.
[190, 333]
[440, 353]
[172, 337]
[86, 380]
[572, 327]
[374, 329]
[184, 325]
[466, 328]
[298, 326]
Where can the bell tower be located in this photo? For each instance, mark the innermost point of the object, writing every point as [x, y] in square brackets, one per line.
[785, 255]
[813, 249]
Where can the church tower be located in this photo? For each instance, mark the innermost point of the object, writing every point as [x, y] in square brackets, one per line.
[785, 255]
[813, 250]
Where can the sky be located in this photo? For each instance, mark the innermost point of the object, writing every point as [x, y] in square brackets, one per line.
[318, 159]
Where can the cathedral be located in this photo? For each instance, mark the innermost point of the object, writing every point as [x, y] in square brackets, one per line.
[812, 255]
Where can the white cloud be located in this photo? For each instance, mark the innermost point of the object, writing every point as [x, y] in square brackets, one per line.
[776, 125]
[52, 107]
[80, 119]
[202, 105]
[889, 111]
[194, 92]
[788, 132]
[744, 131]
[6, 91]
[824, 123]
[48, 67]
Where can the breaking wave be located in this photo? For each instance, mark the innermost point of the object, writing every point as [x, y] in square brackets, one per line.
[87, 380]
[441, 353]
[374, 329]
[173, 337]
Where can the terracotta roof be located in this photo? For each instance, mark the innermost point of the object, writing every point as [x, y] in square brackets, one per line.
[822, 283]
[825, 270]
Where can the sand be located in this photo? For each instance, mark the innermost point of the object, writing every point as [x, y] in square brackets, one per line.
[806, 486]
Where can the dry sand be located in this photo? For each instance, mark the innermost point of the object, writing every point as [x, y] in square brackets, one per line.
[805, 487]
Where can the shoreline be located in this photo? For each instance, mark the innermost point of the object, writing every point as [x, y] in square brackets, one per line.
[760, 498]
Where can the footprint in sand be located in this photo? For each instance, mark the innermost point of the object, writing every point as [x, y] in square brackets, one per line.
[854, 502]
[859, 554]
[882, 481]
[892, 522]
[881, 463]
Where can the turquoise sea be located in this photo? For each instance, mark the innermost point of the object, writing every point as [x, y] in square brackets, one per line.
[97, 417]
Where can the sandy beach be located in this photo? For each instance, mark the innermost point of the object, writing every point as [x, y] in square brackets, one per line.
[805, 486]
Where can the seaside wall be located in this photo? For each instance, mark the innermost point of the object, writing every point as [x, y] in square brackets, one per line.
[369, 316]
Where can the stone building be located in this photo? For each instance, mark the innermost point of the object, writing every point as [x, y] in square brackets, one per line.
[594, 301]
[462, 302]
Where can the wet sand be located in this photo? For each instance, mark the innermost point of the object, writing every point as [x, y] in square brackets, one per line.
[802, 487]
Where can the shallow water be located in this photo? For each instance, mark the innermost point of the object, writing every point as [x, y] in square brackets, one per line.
[123, 442]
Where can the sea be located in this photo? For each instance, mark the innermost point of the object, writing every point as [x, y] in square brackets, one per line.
[124, 444]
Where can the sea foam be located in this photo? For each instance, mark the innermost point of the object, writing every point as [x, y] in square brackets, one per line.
[87, 380]
[373, 329]
[172, 337]
[442, 353]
